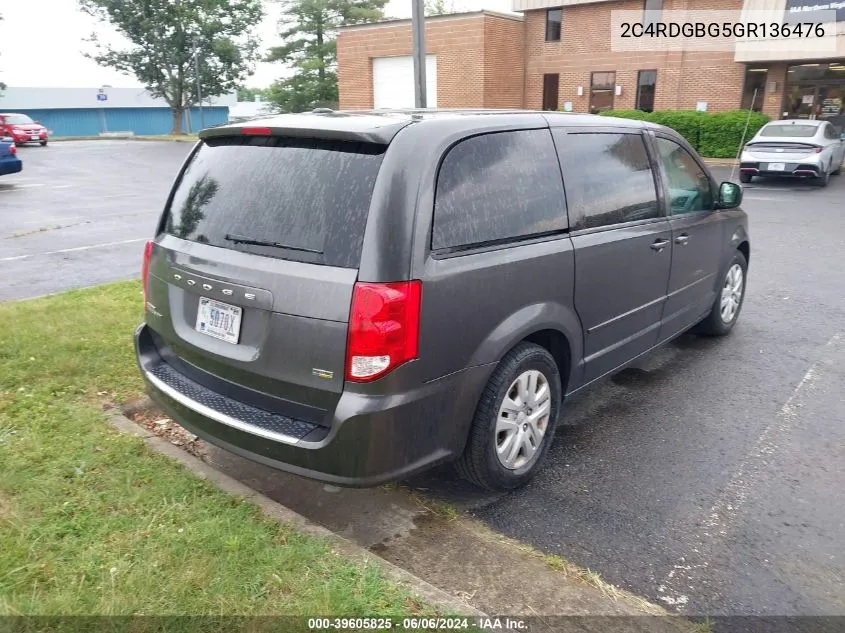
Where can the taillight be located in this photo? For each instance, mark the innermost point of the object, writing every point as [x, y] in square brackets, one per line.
[256, 131]
[818, 150]
[13, 150]
[145, 269]
[384, 325]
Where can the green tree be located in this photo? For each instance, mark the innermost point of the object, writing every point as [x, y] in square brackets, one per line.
[308, 29]
[163, 36]
[441, 7]
[249, 94]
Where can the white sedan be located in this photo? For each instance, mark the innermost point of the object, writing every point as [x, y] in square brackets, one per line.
[801, 148]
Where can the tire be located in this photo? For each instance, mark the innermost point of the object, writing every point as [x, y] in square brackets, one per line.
[714, 324]
[745, 178]
[823, 178]
[480, 462]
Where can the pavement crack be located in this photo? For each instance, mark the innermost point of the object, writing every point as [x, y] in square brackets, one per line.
[45, 229]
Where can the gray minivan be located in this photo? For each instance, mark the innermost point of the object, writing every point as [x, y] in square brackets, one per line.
[358, 296]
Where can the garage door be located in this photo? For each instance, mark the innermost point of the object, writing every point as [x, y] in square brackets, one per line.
[393, 82]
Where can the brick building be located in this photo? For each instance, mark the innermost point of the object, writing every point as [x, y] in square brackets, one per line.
[548, 56]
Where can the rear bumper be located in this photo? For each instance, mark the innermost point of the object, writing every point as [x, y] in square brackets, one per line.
[798, 170]
[372, 439]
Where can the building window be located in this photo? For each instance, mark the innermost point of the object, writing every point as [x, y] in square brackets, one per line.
[754, 89]
[554, 17]
[550, 91]
[646, 81]
[602, 86]
[652, 10]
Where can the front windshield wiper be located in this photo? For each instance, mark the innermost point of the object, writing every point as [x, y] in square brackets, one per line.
[242, 239]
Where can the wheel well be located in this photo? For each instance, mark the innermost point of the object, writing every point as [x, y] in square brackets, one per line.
[745, 249]
[558, 346]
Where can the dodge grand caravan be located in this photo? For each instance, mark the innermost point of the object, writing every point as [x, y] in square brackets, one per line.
[355, 297]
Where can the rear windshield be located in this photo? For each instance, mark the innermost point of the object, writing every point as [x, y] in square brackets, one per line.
[796, 131]
[300, 199]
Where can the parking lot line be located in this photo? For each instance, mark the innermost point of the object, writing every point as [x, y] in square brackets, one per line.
[72, 250]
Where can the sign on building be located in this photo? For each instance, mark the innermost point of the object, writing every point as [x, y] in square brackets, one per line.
[794, 8]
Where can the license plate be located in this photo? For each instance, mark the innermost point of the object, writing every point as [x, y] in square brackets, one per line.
[777, 166]
[219, 320]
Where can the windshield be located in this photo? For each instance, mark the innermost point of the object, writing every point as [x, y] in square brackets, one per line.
[792, 130]
[301, 199]
[18, 119]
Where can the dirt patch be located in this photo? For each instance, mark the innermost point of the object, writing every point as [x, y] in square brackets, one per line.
[143, 414]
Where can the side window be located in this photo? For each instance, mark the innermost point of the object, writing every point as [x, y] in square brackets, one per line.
[497, 187]
[830, 132]
[690, 189]
[608, 178]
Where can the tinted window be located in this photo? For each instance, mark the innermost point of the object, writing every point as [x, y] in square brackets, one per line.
[607, 177]
[311, 197]
[554, 17]
[792, 130]
[498, 187]
[689, 186]
[830, 132]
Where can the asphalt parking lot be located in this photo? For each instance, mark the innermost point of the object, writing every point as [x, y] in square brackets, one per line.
[709, 478]
[79, 212]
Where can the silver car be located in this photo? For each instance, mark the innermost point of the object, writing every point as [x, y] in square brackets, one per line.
[801, 148]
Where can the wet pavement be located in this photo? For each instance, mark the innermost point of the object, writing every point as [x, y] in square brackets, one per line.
[708, 478]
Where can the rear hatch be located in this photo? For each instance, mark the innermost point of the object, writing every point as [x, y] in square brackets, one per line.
[252, 273]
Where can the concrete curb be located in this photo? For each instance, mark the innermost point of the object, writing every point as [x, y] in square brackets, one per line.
[424, 590]
[720, 162]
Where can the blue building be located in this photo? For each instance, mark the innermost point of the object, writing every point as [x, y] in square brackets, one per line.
[95, 111]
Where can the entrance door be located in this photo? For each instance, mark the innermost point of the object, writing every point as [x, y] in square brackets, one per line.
[801, 101]
[816, 101]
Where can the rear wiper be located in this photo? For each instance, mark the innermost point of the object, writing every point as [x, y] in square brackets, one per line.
[242, 239]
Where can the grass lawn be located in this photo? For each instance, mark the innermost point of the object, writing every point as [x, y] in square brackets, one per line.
[92, 522]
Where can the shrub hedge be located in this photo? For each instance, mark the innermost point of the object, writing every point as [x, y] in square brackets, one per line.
[712, 134]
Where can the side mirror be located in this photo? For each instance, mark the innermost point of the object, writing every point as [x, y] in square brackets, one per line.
[730, 195]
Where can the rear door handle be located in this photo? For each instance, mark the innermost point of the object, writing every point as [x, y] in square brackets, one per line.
[659, 245]
[682, 239]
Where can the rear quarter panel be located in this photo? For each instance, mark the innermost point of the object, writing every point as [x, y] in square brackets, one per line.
[477, 306]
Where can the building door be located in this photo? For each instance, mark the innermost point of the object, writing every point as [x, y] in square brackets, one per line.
[801, 100]
[550, 91]
[393, 82]
[815, 91]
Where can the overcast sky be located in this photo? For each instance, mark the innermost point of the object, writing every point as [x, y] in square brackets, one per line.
[41, 43]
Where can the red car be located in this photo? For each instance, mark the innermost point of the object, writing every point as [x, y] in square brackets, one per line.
[21, 128]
